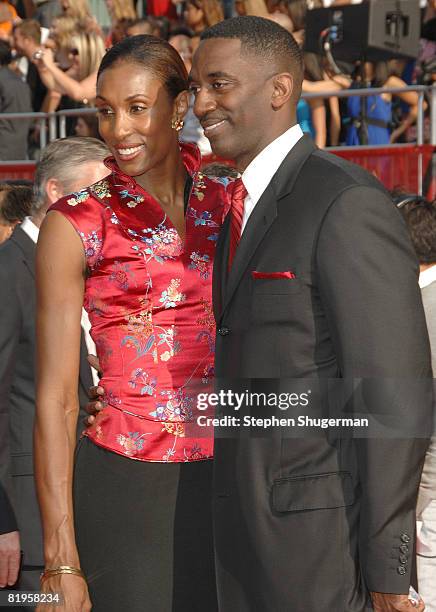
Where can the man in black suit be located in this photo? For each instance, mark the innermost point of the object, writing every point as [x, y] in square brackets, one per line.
[14, 98]
[320, 288]
[66, 165]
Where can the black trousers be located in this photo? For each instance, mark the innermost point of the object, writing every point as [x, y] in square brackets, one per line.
[144, 532]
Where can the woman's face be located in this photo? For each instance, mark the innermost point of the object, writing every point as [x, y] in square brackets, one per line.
[82, 128]
[193, 16]
[240, 8]
[135, 119]
[74, 58]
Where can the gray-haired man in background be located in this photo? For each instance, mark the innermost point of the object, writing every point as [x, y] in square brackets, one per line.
[66, 165]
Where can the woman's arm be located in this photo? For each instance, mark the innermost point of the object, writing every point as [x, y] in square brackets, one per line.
[335, 121]
[319, 121]
[325, 85]
[54, 78]
[45, 75]
[51, 101]
[60, 266]
[409, 97]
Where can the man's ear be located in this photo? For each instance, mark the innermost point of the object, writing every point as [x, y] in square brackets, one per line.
[181, 104]
[283, 87]
[53, 190]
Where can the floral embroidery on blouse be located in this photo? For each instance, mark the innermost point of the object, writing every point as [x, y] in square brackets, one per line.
[171, 296]
[132, 442]
[134, 198]
[162, 243]
[78, 197]
[167, 338]
[146, 384]
[92, 243]
[121, 273]
[204, 218]
[101, 189]
[200, 263]
[139, 331]
[195, 453]
[175, 405]
[207, 321]
[198, 187]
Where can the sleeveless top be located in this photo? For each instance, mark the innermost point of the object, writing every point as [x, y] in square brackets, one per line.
[376, 108]
[149, 301]
[304, 117]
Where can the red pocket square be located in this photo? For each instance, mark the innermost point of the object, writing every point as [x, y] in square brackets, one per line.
[256, 274]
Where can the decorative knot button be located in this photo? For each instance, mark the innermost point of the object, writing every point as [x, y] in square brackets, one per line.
[224, 331]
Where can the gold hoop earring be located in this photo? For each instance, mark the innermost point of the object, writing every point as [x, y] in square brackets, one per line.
[177, 124]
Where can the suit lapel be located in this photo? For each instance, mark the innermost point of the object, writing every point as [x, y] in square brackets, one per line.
[261, 219]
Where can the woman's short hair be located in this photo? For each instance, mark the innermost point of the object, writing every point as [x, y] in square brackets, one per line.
[153, 54]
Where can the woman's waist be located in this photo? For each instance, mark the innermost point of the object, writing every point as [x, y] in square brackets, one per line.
[153, 398]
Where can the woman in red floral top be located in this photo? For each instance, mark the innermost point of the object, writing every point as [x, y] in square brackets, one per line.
[137, 250]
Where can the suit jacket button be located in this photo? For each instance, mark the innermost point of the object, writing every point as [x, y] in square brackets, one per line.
[224, 331]
[403, 559]
[405, 538]
[404, 548]
[401, 570]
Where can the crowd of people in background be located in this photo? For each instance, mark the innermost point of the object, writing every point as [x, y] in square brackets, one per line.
[50, 51]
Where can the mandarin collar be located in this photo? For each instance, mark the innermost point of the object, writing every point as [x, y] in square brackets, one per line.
[190, 155]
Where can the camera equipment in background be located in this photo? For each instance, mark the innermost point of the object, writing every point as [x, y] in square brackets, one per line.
[376, 30]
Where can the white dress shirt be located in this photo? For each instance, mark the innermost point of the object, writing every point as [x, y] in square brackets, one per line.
[427, 277]
[258, 174]
[33, 232]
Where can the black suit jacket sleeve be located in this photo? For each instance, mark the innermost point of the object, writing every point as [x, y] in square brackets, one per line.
[368, 279]
[10, 323]
[7, 517]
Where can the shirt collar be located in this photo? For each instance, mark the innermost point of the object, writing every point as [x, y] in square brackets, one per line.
[260, 171]
[30, 229]
[427, 277]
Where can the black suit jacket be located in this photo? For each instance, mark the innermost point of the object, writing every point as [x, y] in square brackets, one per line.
[17, 388]
[14, 98]
[7, 517]
[310, 523]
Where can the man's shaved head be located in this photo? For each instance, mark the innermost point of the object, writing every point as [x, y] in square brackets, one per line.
[264, 39]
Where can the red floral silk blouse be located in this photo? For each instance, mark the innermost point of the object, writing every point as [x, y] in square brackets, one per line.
[149, 300]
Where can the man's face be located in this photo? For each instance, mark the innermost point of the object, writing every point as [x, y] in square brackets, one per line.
[20, 42]
[232, 99]
[6, 230]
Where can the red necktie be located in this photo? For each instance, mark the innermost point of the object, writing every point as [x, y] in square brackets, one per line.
[237, 212]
